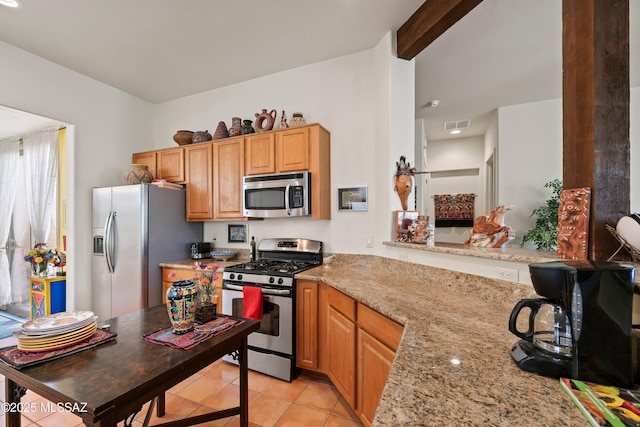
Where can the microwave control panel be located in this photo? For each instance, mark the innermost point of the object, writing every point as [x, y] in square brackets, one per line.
[296, 197]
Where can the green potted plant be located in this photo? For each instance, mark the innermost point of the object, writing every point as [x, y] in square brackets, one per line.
[545, 233]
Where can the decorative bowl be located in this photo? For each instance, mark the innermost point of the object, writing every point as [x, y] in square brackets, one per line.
[223, 255]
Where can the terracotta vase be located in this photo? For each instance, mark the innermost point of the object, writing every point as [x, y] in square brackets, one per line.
[137, 174]
[181, 305]
[236, 126]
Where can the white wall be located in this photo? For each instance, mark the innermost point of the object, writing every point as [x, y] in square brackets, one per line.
[105, 126]
[456, 166]
[368, 112]
[530, 155]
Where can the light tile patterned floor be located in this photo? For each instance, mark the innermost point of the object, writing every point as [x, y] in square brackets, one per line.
[305, 402]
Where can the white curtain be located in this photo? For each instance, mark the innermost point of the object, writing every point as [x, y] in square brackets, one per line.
[41, 174]
[20, 270]
[8, 180]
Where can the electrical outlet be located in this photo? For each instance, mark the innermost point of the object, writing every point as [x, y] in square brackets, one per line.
[510, 274]
[369, 241]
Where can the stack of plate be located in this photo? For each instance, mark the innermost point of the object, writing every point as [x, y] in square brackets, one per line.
[56, 331]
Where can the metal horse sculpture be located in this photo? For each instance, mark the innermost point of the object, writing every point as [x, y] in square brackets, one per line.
[490, 231]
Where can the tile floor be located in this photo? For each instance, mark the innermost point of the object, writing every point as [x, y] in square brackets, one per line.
[305, 402]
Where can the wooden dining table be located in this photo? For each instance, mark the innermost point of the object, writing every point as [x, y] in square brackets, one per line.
[111, 382]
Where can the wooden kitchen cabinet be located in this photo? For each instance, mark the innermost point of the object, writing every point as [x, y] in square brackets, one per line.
[214, 173]
[341, 343]
[377, 340]
[188, 274]
[199, 177]
[167, 164]
[228, 170]
[304, 148]
[292, 149]
[260, 153]
[170, 164]
[148, 159]
[311, 326]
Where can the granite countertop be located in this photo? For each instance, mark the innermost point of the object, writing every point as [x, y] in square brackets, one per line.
[449, 315]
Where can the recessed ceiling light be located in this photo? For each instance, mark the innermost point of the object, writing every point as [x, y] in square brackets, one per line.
[10, 3]
[455, 131]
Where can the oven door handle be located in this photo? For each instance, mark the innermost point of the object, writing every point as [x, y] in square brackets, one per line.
[265, 291]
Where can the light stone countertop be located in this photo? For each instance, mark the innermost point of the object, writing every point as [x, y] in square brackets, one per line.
[446, 315]
[188, 263]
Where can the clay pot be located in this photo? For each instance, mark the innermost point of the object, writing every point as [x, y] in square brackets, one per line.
[183, 137]
[202, 136]
[297, 120]
[236, 126]
[181, 306]
[265, 121]
[137, 174]
[221, 131]
[247, 128]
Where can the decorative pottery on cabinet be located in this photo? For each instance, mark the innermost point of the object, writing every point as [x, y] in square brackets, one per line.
[265, 120]
[183, 137]
[297, 120]
[247, 128]
[202, 136]
[221, 131]
[236, 126]
[181, 305]
[137, 174]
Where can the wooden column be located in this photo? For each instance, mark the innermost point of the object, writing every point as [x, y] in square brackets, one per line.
[595, 81]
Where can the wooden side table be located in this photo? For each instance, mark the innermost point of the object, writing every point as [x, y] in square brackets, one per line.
[48, 295]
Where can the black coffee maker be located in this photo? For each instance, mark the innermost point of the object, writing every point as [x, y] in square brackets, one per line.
[581, 328]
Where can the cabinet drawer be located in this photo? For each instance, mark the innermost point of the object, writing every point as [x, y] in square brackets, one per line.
[342, 303]
[383, 328]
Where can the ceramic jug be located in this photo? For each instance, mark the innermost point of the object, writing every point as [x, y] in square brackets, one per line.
[265, 120]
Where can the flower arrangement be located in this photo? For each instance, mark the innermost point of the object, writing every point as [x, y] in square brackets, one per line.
[204, 279]
[39, 257]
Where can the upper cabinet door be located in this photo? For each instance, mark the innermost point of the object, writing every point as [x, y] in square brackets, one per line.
[199, 160]
[147, 158]
[292, 149]
[171, 165]
[228, 170]
[260, 151]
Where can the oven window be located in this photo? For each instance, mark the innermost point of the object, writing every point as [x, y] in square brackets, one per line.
[265, 198]
[270, 324]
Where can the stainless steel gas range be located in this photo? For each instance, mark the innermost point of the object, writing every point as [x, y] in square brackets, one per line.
[272, 347]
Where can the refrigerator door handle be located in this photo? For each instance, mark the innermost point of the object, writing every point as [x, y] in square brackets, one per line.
[107, 240]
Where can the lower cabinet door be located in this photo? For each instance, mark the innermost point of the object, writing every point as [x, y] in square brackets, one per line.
[342, 355]
[374, 364]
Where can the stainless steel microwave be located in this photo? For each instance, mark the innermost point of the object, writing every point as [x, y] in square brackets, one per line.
[276, 195]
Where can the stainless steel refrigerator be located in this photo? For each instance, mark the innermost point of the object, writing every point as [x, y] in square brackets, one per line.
[136, 227]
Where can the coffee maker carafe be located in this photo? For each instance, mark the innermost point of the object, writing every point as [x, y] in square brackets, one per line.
[581, 328]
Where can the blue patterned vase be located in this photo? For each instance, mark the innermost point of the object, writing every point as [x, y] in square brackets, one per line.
[181, 305]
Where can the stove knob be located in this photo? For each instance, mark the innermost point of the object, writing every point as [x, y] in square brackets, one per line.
[280, 281]
[232, 276]
[239, 276]
[271, 279]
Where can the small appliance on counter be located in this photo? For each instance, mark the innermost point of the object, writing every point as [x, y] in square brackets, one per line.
[582, 326]
[201, 250]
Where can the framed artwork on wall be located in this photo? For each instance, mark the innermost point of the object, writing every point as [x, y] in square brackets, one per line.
[237, 233]
[405, 225]
[352, 199]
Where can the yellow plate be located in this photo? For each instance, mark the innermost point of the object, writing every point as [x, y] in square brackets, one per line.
[29, 345]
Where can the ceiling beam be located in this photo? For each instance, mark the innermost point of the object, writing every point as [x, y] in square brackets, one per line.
[427, 23]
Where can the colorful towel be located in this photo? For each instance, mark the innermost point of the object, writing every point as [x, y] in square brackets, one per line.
[252, 302]
[454, 210]
[21, 359]
[191, 339]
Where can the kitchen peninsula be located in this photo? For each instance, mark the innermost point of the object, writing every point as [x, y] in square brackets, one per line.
[453, 363]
